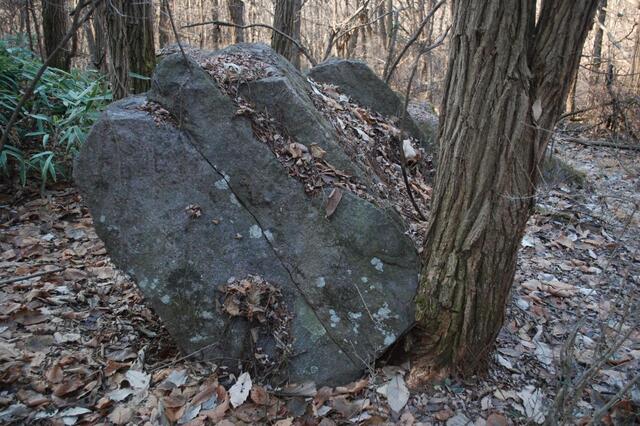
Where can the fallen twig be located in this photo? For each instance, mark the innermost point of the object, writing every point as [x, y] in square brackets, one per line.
[603, 144]
[27, 277]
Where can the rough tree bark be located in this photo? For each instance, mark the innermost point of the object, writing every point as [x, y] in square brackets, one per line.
[215, 30]
[131, 45]
[54, 28]
[164, 25]
[236, 13]
[507, 83]
[96, 39]
[286, 18]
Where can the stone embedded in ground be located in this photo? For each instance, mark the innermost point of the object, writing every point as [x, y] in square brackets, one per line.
[188, 206]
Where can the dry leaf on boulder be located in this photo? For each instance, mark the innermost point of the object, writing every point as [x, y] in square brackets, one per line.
[332, 204]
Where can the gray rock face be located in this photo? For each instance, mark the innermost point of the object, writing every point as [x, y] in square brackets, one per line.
[187, 207]
[361, 84]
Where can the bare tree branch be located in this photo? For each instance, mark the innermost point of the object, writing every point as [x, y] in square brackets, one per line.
[412, 40]
[175, 33]
[300, 47]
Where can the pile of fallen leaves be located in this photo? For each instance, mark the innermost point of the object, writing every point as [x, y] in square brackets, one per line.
[306, 164]
[261, 303]
[372, 141]
[78, 345]
[160, 115]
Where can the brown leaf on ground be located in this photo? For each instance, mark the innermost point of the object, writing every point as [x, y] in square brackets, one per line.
[354, 387]
[259, 395]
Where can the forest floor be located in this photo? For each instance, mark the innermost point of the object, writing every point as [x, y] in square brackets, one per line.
[79, 346]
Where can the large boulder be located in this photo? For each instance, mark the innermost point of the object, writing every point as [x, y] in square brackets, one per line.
[240, 261]
[359, 82]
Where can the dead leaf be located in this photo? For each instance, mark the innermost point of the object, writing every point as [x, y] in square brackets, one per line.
[396, 392]
[497, 419]
[297, 149]
[332, 203]
[410, 153]
[307, 389]
[54, 374]
[259, 395]
[194, 211]
[113, 366]
[532, 400]
[349, 408]
[216, 414]
[121, 415]
[240, 390]
[138, 379]
[354, 387]
[317, 152]
[68, 387]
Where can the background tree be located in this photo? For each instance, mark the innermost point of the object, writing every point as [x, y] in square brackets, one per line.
[54, 28]
[96, 39]
[597, 40]
[236, 13]
[215, 29]
[131, 45]
[164, 24]
[506, 85]
[286, 18]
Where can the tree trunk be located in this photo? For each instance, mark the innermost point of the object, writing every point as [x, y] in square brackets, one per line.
[507, 82]
[131, 46]
[99, 56]
[54, 27]
[286, 18]
[36, 28]
[236, 13]
[635, 63]
[215, 30]
[164, 24]
[597, 40]
[25, 18]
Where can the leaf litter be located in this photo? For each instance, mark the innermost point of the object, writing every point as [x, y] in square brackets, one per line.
[79, 345]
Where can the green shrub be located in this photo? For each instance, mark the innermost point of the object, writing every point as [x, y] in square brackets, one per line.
[54, 123]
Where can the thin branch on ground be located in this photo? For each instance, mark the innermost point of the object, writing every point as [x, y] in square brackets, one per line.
[605, 144]
[28, 277]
